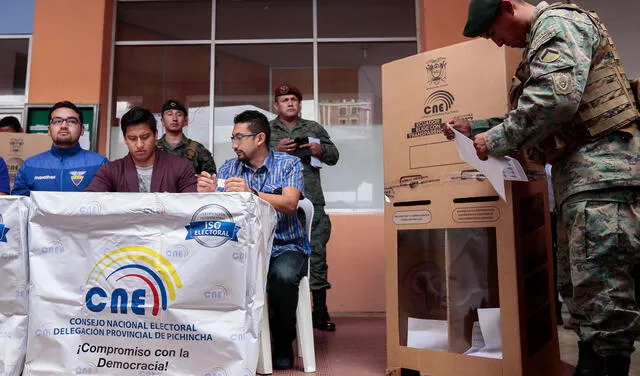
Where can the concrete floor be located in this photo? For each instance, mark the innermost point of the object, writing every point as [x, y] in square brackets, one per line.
[357, 348]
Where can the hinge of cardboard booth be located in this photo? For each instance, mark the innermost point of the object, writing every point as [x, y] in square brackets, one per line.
[418, 182]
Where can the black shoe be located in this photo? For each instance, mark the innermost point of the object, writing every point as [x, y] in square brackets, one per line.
[320, 314]
[282, 363]
[322, 321]
[616, 365]
[589, 363]
[282, 356]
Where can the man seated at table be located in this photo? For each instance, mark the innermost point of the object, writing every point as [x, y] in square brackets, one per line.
[277, 178]
[144, 169]
[66, 167]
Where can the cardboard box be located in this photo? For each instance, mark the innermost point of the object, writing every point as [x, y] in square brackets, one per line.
[453, 245]
[16, 147]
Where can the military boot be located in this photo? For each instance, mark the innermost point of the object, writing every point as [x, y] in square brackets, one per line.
[616, 365]
[320, 314]
[589, 363]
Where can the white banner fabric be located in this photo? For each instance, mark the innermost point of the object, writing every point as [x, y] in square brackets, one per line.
[147, 283]
[14, 279]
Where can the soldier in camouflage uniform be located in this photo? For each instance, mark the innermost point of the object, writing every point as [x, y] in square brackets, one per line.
[174, 118]
[571, 106]
[284, 130]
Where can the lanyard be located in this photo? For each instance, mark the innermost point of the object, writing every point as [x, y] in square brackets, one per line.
[266, 175]
[264, 181]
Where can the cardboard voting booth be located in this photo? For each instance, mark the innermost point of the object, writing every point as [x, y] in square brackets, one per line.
[16, 147]
[146, 283]
[469, 275]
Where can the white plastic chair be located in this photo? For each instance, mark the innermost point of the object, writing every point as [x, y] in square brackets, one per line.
[304, 326]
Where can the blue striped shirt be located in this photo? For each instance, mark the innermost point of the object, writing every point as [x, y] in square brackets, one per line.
[280, 170]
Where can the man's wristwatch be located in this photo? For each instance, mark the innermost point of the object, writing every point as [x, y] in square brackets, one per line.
[254, 192]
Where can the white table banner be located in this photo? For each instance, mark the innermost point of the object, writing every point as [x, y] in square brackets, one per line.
[146, 283]
[14, 279]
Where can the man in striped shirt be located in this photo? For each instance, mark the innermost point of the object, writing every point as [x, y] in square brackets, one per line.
[276, 178]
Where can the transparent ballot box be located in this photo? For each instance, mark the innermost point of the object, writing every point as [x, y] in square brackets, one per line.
[448, 296]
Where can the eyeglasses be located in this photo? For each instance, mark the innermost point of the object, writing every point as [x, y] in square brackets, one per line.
[239, 136]
[71, 121]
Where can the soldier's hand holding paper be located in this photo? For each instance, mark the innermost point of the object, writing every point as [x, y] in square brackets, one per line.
[461, 125]
[481, 146]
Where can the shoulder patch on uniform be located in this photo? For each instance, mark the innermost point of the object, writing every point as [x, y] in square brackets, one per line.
[562, 83]
[549, 55]
[543, 37]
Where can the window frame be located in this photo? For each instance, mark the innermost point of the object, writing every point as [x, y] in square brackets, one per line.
[16, 102]
[214, 42]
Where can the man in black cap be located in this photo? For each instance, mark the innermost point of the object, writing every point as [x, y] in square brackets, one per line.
[290, 134]
[571, 106]
[174, 117]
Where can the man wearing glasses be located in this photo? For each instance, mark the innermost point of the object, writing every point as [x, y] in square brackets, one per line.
[66, 167]
[276, 178]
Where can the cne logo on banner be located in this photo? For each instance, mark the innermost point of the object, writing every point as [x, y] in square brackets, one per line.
[150, 268]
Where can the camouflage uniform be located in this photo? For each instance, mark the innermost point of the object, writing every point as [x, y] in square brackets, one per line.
[595, 182]
[192, 150]
[313, 191]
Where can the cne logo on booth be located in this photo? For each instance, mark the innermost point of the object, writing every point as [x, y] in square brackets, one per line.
[149, 267]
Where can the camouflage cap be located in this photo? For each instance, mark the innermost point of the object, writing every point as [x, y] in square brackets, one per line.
[173, 104]
[481, 15]
[285, 89]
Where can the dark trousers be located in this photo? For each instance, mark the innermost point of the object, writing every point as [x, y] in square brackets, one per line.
[285, 272]
[554, 248]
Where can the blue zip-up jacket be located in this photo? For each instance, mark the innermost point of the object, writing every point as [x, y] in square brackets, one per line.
[4, 177]
[66, 170]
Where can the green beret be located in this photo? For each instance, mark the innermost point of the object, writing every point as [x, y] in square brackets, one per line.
[481, 15]
[173, 104]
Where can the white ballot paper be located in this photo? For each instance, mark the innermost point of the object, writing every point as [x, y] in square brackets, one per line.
[489, 319]
[486, 337]
[496, 169]
[315, 162]
[428, 334]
